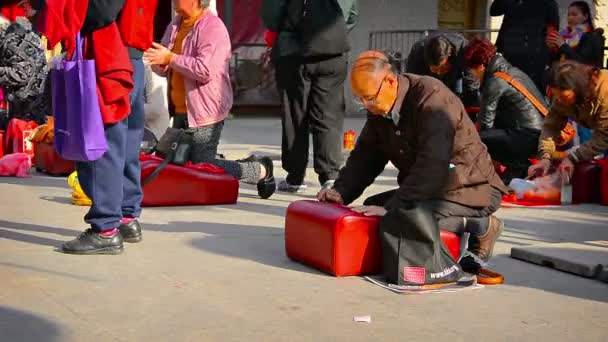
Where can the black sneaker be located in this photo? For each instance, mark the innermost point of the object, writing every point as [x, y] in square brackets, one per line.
[267, 186]
[131, 232]
[91, 242]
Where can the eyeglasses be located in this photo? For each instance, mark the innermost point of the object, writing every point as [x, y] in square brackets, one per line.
[374, 99]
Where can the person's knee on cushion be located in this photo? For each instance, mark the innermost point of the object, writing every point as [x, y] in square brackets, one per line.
[427, 138]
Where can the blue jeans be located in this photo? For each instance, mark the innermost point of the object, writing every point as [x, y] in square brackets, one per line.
[113, 181]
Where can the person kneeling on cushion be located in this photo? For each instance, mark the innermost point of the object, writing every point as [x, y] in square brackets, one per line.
[420, 126]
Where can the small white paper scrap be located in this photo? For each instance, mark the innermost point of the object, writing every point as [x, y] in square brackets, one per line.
[363, 319]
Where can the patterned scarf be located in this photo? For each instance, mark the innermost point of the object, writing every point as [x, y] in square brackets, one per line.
[573, 37]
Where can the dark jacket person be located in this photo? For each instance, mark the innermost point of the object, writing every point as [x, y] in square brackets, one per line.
[523, 32]
[420, 126]
[441, 56]
[510, 123]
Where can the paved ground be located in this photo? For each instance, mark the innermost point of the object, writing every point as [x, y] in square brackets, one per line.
[220, 274]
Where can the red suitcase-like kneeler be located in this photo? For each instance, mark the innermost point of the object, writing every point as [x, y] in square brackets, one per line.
[47, 160]
[336, 240]
[182, 186]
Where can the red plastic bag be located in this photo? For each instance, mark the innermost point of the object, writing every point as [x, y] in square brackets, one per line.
[16, 164]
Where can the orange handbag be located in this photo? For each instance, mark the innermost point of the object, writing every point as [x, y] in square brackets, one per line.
[567, 134]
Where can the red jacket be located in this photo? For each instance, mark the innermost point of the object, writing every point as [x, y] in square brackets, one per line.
[60, 21]
[136, 23]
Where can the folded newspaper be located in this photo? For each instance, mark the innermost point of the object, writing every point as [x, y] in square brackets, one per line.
[463, 284]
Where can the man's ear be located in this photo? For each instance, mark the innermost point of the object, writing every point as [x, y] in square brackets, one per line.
[392, 80]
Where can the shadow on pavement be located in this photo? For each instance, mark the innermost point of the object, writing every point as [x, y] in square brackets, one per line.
[17, 325]
[26, 227]
[57, 199]
[46, 271]
[518, 273]
[37, 180]
[256, 243]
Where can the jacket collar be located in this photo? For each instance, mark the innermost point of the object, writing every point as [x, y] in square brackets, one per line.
[404, 86]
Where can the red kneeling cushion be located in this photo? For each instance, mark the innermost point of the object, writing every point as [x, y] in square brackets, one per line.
[47, 160]
[180, 185]
[337, 240]
[604, 182]
[586, 182]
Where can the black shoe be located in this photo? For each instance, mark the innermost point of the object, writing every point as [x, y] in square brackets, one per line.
[131, 232]
[249, 159]
[91, 242]
[267, 186]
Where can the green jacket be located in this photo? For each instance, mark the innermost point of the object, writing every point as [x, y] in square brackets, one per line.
[273, 11]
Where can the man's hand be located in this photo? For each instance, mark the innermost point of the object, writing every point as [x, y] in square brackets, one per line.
[370, 210]
[330, 195]
[157, 55]
[540, 169]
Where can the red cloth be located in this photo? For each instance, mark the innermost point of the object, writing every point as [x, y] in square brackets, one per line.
[60, 21]
[136, 23]
[114, 73]
[271, 38]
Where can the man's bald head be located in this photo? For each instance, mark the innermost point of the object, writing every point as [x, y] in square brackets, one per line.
[374, 81]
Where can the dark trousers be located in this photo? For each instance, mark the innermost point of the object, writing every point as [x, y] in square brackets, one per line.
[450, 215]
[113, 181]
[312, 92]
[510, 148]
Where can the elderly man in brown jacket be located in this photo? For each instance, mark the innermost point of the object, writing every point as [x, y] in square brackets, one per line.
[420, 126]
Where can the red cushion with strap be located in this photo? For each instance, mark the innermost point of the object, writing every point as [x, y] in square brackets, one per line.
[337, 240]
[178, 185]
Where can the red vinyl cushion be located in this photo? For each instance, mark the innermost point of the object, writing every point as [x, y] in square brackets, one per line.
[586, 182]
[179, 186]
[604, 182]
[339, 241]
[47, 160]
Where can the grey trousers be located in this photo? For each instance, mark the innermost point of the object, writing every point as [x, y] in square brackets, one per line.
[204, 150]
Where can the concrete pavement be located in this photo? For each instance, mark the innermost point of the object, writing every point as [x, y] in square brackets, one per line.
[219, 273]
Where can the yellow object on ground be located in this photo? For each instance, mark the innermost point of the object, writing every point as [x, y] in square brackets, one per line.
[78, 195]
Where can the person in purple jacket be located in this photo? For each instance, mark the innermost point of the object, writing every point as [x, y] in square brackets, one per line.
[194, 55]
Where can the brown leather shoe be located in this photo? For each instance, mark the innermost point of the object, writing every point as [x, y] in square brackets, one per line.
[485, 243]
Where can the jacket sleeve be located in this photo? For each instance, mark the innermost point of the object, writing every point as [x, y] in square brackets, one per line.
[213, 53]
[100, 14]
[429, 174]
[500, 7]
[352, 15]
[599, 140]
[415, 60]
[17, 75]
[493, 90]
[364, 164]
[471, 96]
[272, 12]
[554, 122]
[552, 13]
[588, 52]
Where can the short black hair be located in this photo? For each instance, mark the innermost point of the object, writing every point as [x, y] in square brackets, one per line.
[438, 49]
[583, 6]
